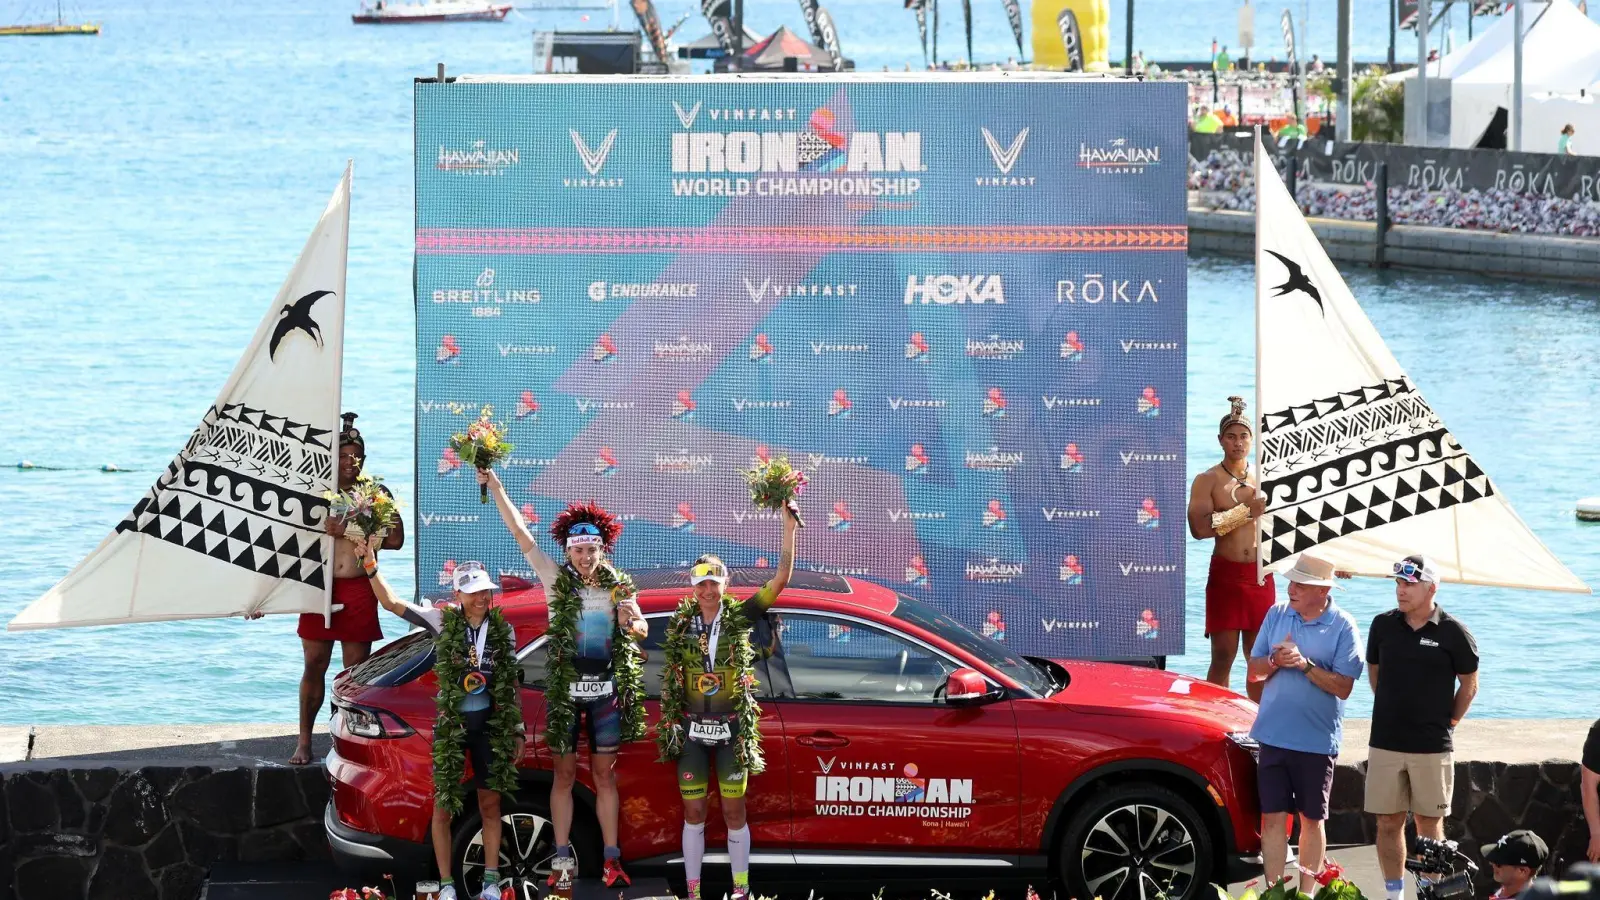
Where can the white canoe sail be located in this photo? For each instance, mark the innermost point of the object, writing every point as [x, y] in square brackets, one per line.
[1352, 459]
[235, 524]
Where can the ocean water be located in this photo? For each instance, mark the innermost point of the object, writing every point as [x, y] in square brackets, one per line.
[159, 179]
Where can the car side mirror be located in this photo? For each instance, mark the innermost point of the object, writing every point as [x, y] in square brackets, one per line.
[965, 687]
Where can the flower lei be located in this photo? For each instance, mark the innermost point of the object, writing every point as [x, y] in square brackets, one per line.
[450, 726]
[627, 664]
[682, 653]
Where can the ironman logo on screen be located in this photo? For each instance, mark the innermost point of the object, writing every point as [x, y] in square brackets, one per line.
[820, 161]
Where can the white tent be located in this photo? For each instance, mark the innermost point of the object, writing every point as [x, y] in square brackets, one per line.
[1561, 54]
[1544, 115]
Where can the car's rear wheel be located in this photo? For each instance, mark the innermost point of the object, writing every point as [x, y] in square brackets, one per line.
[1133, 842]
[527, 842]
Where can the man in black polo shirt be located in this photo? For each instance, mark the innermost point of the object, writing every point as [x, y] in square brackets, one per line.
[1423, 666]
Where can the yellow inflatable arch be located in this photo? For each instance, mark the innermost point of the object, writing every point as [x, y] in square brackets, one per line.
[1094, 29]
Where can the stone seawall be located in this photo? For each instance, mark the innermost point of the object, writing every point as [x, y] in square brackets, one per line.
[1541, 256]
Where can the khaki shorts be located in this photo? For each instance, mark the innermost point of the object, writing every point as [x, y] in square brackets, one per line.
[1420, 783]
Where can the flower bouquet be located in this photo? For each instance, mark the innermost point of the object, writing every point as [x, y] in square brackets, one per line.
[368, 511]
[775, 484]
[482, 445]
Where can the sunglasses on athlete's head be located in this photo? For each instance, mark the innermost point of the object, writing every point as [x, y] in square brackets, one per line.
[583, 533]
[707, 571]
[1412, 571]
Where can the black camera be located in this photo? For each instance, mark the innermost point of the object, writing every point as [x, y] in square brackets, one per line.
[1582, 882]
[1444, 872]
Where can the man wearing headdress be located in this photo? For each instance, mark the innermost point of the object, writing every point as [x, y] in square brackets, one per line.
[354, 623]
[594, 678]
[1224, 504]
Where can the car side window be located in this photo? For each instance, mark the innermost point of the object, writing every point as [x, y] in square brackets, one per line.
[835, 659]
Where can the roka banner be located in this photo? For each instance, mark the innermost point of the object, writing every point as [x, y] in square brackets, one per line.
[958, 305]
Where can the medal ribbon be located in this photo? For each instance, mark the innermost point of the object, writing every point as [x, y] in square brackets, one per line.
[709, 644]
[475, 640]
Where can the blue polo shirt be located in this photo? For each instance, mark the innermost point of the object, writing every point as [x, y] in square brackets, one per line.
[1296, 714]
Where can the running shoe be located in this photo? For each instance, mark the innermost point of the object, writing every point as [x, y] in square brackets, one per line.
[447, 892]
[563, 870]
[739, 893]
[613, 874]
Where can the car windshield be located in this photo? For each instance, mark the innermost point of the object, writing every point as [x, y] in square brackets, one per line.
[989, 651]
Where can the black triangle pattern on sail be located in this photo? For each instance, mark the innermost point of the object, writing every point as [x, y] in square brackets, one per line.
[1300, 414]
[230, 535]
[1437, 485]
[264, 421]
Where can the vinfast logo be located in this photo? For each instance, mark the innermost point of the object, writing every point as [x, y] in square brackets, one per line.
[429, 520]
[745, 404]
[1071, 570]
[815, 461]
[683, 350]
[1148, 404]
[1132, 346]
[1004, 159]
[993, 571]
[478, 158]
[605, 462]
[994, 404]
[529, 462]
[841, 571]
[449, 462]
[994, 626]
[1096, 288]
[686, 117]
[1130, 569]
[594, 161]
[820, 347]
[683, 518]
[600, 291]
[839, 518]
[1072, 459]
[1129, 457]
[945, 290]
[917, 460]
[1118, 157]
[1072, 347]
[994, 460]
[1057, 514]
[917, 347]
[761, 349]
[917, 571]
[591, 405]
[682, 462]
[449, 352]
[839, 406]
[994, 515]
[526, 349]
[899, 403]
[527, 406]
[740, 517]
[994, 347]
[451, 407]
[1055, 401]
[896, 516]
[767, 289]
[683, 406]
[1050, 625]
[604, 350]
[1148, 515]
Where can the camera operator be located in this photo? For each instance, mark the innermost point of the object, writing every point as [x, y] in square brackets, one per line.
[1515, 858]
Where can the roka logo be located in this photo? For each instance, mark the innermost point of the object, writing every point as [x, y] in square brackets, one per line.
[593, 160]
[1004, 159]
[947, 289]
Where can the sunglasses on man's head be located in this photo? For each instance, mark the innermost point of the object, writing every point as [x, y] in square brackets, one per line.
[1410, 571]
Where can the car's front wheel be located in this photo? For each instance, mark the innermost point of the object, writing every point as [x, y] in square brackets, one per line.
[527, 843]
[1136, 842]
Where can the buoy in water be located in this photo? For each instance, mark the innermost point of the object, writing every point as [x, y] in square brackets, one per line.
[26, 465]
[111, 467]
[1589, 509]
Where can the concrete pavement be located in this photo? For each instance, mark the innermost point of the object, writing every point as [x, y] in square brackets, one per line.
[240, 744]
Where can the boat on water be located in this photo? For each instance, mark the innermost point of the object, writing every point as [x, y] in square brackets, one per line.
[59, 27]
[384, 12]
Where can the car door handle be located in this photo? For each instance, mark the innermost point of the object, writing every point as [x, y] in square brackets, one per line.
[822, 740]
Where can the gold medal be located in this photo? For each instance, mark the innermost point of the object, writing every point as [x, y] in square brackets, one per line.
[708, 683]
[474, 682]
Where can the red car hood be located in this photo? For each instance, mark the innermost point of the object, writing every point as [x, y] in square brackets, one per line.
[1118, 689]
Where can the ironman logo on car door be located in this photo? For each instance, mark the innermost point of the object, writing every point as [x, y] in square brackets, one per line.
[901, 793]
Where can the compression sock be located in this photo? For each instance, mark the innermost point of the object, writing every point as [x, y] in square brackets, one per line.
[1394, 889]
[694, 852]
[564, 850]
[613, 853]
[739, 855]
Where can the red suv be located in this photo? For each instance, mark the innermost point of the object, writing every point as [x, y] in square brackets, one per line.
[1113, 780]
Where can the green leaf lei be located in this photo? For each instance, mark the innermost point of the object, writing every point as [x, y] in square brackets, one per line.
[682, 653]
[450, 726]
[627, 663]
